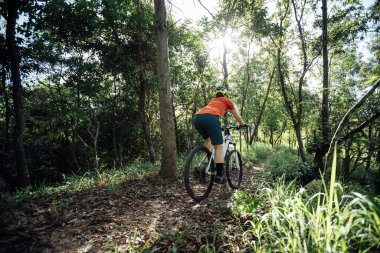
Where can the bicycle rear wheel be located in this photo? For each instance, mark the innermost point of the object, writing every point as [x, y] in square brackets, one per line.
[234, 169]
[198, 183]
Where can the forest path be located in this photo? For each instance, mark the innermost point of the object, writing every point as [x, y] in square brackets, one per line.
[139, 211]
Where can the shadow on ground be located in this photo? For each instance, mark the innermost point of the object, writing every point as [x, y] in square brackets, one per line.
[140, 214]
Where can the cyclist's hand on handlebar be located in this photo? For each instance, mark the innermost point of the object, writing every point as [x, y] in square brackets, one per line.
[243, 126]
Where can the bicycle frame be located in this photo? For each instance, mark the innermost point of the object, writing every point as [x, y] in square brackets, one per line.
[227, 141]
[200, 174]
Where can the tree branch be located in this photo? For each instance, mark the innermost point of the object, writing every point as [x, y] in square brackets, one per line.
[346, 117]
[361, 126]
[199, 1]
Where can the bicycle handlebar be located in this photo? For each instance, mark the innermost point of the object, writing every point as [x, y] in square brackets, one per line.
[238, 127]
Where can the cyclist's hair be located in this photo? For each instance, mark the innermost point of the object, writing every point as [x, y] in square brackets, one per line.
[219, 95]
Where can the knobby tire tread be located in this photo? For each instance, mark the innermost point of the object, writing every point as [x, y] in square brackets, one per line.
[186, 173]
[234, 185]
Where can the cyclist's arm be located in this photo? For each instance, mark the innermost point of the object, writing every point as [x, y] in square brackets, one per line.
[237, 117]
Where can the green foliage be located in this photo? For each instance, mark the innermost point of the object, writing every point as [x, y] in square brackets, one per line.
[98, 69]
[244, 203]
[363, 181]
[294, 223]
[179, 237]
[134, 243]
[85, 182]
[285, 162]
[211, 245]
[262, 151]
[328, 221]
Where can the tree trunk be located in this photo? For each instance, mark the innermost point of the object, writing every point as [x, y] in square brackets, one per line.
[94, 146]
[116, 160]
[144, 121]
[378, 150]
[294, 114]
[73, 147]
[323, 147]
[169, 149]
[225, 69]
[14, 58]
[194, 111]
[346, 117]
[271, 136]
[370, 148]
[346, 163]
[246, 83]
[7, 109]
[144, 85]
[258, 121]
[295, 117]
[70, 144]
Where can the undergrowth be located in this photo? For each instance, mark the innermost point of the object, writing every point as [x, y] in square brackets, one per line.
[293, 220]
[74, 183]
[278, 216]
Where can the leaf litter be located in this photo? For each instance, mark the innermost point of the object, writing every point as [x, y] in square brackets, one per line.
[144, 215]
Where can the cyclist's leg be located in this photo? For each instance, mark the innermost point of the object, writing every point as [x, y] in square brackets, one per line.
[219, 164]
[219, 153]
[207, 143]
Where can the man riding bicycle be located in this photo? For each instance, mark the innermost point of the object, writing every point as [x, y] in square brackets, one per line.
[207, 123]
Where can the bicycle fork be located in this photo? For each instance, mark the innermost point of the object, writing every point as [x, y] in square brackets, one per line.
[236, 160]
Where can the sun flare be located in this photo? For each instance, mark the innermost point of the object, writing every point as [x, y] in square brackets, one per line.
[217, 45]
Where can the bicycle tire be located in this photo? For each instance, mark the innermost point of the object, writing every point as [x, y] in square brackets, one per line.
[234, 169]
[198, 184]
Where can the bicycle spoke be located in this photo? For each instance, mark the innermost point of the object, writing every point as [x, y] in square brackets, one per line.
[234, 169]
[197, 181]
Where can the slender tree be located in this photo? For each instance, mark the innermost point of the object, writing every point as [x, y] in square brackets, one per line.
[293, 106]
[14, 59]
[169, 149]
[323, 146]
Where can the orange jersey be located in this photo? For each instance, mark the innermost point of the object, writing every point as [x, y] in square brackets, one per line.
[217, 106]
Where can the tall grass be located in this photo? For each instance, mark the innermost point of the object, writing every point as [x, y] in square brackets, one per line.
[330, 221]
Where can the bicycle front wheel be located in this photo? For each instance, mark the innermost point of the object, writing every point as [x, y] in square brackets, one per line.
[197, 181]
[234, 169]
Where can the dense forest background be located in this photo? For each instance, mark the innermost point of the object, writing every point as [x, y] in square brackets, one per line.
[79, 91]
[96, 103]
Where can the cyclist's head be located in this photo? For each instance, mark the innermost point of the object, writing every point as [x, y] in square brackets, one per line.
[221, 91]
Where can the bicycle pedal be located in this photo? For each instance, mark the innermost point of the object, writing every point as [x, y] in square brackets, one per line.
[220, 179]
[212, 171]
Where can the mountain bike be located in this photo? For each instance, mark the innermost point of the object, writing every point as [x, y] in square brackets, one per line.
[199, 170]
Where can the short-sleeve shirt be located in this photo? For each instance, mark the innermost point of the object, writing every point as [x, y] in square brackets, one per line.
[217, 106]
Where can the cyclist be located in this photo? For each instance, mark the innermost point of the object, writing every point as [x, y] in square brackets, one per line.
[207, 123]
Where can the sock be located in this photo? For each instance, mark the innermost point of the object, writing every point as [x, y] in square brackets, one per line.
[219, 169]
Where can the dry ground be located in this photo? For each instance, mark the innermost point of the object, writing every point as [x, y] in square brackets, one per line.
[147, 213]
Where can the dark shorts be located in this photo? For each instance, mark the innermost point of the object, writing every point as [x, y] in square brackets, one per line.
[208, 125]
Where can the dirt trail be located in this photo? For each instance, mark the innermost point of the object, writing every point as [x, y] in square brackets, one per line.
[140, 211]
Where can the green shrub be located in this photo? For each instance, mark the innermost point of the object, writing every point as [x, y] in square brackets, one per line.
[328, 221]
[282, 148]
[261, 151]
[244, 203]
[286, 164]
